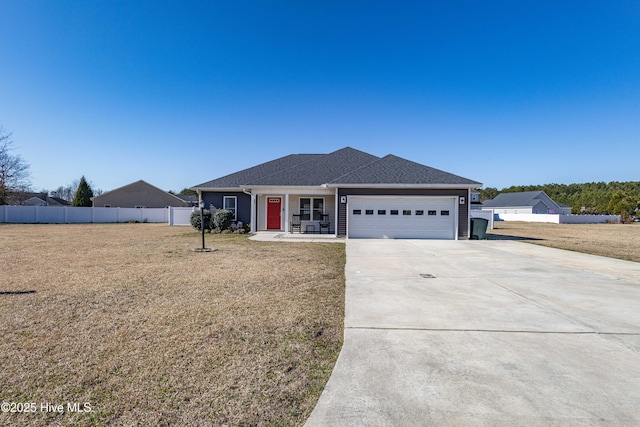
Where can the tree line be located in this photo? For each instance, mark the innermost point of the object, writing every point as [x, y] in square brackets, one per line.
[618, 198]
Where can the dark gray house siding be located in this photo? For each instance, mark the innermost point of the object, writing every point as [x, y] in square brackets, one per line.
[243, 213]
[341, 222]
[463, 211]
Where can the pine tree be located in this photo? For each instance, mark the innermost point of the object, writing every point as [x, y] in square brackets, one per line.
[84, 194]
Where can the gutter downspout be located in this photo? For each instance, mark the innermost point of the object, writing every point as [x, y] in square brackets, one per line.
[253, 209]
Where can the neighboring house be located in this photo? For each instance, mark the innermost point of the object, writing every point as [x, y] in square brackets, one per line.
[189, 199]
[528, 202]
[42, 199]
[475, 200]
[139, 194]
[357, 194]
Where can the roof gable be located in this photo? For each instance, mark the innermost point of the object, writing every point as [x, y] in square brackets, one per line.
[320, 170]
[395, 170]
[135, 186]
[34, 201]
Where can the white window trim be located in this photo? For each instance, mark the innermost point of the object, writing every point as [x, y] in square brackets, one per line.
[235, 205]
[311, 199]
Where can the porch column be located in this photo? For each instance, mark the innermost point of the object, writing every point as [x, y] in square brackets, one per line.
[253, 213]
[286, 213]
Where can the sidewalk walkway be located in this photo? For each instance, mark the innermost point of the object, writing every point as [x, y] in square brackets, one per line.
[279, 236]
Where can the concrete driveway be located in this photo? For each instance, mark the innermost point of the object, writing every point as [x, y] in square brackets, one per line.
[506, 333]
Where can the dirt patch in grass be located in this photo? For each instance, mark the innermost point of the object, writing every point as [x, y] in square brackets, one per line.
[128, 319]
[611, 240]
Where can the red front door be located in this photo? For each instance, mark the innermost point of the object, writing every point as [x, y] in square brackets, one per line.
[273, 213]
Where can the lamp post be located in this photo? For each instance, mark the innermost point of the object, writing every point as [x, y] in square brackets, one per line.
[202, 221]
[203, 249]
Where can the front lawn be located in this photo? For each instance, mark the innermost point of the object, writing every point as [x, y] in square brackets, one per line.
[610, 240]
[126, 318]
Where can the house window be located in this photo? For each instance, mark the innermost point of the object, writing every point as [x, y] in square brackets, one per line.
[318, 209]
[107, 206]
[230, 203]
[369, 212]
[311, 209]
[419, 213]
[445, 213]
[432, 213]
[357, 212]
[394, 212]
[407, 212]
[382, 212]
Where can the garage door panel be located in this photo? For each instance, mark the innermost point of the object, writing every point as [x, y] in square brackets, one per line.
[401, 217]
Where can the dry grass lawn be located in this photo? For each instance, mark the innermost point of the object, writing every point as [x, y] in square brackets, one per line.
[611, 240]
[127, 318]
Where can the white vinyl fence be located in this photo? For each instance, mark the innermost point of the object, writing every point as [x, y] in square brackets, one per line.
[559, 219]
[72, 215]
[484, 213]
[180, 216]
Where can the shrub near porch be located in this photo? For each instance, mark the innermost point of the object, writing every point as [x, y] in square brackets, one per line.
[128, 318]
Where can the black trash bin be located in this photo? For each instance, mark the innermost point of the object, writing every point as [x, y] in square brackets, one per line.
[479, 228]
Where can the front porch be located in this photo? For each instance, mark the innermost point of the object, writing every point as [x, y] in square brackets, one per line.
[307, 212]
[280, 236]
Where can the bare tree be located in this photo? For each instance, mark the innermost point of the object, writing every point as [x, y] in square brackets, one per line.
[14, 171]
[65, 193]
[69, 191]
[58, 192]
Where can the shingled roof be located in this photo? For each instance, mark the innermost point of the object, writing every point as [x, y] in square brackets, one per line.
[346, 166]
[524, 198]
[261, 171]
[320, 170]
[395, 170]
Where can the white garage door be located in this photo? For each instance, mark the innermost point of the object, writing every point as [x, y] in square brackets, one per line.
[392, 217]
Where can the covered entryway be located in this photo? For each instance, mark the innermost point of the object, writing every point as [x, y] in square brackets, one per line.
[402, 217]
[274, 207]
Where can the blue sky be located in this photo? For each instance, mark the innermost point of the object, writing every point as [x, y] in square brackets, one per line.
[178, 93]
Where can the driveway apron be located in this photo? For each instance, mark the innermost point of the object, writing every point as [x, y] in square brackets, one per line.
[485, 333]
